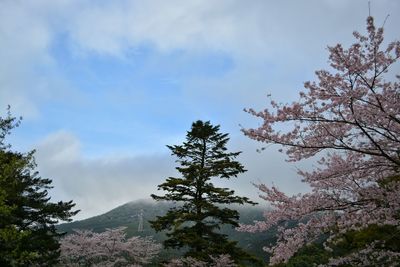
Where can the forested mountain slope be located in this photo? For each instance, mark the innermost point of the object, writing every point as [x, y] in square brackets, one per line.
[129, 215]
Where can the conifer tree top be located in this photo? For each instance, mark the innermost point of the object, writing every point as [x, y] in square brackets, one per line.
[195, 224]
[202, 130]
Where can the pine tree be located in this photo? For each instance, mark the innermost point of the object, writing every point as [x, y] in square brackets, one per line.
[195, 224]
[28, 236]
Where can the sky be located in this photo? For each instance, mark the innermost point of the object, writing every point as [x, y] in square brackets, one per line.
[104, 86]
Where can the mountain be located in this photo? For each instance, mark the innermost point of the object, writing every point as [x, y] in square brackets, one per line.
[124, 215]
[129, 214]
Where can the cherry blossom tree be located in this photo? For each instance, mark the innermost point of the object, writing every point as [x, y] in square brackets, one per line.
[223, 260]
[80, 247]
[349, 121]
[109, 248]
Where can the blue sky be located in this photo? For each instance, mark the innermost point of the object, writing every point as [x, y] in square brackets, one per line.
[103, 86]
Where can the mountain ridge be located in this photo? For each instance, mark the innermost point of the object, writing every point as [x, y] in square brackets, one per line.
[128, 215]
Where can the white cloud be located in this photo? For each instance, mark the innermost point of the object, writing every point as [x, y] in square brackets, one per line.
[256, 29]
[290, 34]
[28, 73]
[21, 48]
[274, 45]
[100, 184]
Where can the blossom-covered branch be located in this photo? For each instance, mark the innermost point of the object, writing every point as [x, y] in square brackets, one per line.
[350, 119]
[109, 248]
[223, 260]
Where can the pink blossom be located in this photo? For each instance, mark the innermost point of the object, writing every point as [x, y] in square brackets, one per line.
[109, 248]
[217, 261]
[350, 120]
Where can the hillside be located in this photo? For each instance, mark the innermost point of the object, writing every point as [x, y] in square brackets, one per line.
[127, 215]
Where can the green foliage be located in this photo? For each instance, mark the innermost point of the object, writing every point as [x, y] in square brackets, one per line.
[351, 241]
[28, 235]
[195, 225]
[388, 180]
[308, 256]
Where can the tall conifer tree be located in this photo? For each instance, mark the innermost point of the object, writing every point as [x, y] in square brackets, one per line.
[195, 224]
[28, 236]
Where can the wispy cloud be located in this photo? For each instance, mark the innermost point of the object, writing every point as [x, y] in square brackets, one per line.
[104, 85]
[98, 184]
